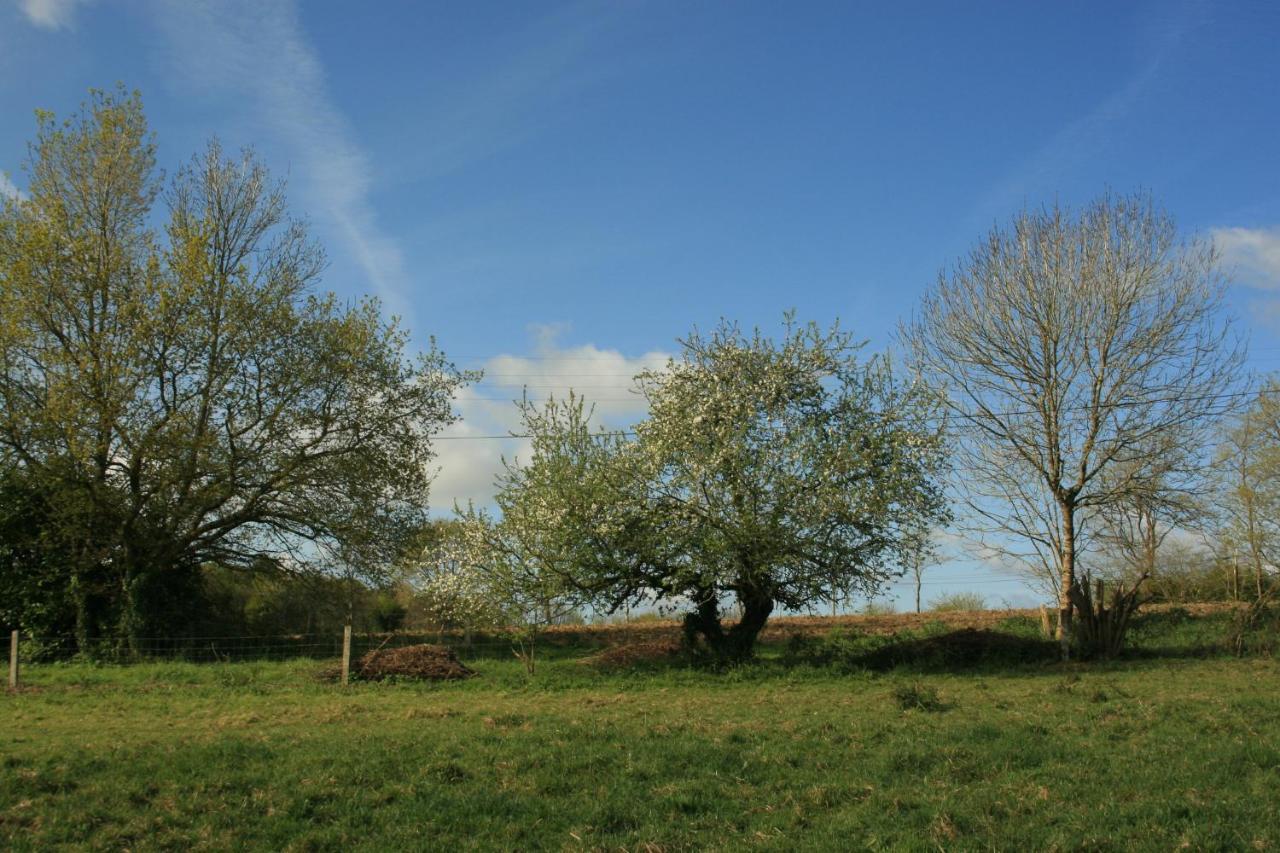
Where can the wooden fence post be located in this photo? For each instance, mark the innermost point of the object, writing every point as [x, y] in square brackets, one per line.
[346, 655]
[13, 661]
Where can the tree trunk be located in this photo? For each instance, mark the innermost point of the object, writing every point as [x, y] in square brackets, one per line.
[703, 624]
[1102, 629]
[1251, 514]
[917, 592]
[741, 638]
[132, 618]
[1067, 566]
[1149, 545]
[130, 611]
[80, 597]
[738, 642]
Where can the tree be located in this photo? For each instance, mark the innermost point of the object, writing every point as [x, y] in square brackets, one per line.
[33, 591]
[444, 575]
[496, 568]
[765, 473]
[1080, 353]
[1248, 468]
[920, 553]
[188, 398]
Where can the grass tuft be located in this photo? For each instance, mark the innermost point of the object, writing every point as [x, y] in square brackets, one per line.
[918, 697]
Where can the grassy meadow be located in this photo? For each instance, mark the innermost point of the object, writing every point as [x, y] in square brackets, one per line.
[1175, 746]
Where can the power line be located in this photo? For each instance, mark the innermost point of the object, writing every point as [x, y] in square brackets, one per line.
[974, 420]
[613, 355]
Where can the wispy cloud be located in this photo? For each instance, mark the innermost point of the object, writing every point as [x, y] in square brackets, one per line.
[1087, 137]
[469, 464]
[258, 52]
[50, 14]
[1251, 254]
[513, 94]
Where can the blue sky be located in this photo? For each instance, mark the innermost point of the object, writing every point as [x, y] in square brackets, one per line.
[558, 191]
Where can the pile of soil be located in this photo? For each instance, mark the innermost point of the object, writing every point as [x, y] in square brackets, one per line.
[966, 647]
[427, 662]
[630, 654]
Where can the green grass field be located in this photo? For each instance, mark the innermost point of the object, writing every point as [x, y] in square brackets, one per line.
[1154, 752]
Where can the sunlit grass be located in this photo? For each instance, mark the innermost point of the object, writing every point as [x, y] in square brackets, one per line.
[1148, 753]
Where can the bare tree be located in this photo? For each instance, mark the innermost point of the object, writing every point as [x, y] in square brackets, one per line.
[1080, 352]
[1248, 467]
[921, 552]
[1134, 528]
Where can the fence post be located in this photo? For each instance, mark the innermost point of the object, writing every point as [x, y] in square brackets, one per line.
[346, 655]
[13, 661]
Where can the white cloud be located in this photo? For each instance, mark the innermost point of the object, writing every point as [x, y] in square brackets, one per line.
[49, 14]
[8, 189]
[258, 53]
[468, 464]
[1252, 254]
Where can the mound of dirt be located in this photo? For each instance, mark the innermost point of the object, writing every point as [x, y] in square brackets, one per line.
[630, 654]
[963, 648]
[427, 662]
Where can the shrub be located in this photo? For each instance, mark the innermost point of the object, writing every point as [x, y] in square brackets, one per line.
[958, 602]
[1254, 630]
[388, 614]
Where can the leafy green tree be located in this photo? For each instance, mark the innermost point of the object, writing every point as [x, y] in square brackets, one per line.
[33, 577]
[766, 473]
[186, 397]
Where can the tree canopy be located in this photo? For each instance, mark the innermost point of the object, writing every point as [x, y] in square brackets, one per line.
[185, 396]
[1082, 353]
[766, 473]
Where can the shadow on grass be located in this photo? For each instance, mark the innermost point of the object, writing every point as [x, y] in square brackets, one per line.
[934, 650]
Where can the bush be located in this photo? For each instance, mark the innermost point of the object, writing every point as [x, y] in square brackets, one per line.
[958, 602]
[388, 614]
[1254, 631]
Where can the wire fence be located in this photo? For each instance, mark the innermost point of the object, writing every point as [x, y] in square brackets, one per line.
[328, 647]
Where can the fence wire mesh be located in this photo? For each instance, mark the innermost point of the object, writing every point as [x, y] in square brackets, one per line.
[325, 647]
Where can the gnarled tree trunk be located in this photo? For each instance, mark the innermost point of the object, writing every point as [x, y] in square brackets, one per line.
[703, 628]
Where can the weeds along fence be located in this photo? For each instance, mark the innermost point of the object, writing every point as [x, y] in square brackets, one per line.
[326, 650]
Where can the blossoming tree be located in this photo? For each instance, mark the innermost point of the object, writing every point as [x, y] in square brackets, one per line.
[767, 473]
